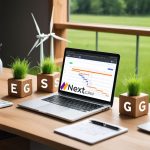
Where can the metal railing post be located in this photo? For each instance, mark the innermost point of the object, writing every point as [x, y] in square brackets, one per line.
[137, 56]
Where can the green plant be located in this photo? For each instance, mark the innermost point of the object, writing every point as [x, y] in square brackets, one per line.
[20, 68]
[34, 70]
[48, 66]
[134, 86]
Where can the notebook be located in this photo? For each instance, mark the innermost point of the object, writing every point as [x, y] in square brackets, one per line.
[86, 86]
[91, 131]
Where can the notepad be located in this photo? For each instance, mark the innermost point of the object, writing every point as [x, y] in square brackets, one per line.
[91, 131]
[4, 103]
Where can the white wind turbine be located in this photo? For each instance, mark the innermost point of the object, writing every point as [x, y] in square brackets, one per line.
[39, 37]
[43, 37]
[52, 36]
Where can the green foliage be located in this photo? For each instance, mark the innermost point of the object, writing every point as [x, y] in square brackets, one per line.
[136, 7]
[58, 69]
[111, 7]
[133, 86]
[115, 7]
[34, 70]
[84, 6]
[20, 68]
[49, 67]
[96, 7]
[74, 6]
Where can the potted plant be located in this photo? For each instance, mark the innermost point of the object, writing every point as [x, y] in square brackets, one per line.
[133, 103]
[20, 85]
[48, 80]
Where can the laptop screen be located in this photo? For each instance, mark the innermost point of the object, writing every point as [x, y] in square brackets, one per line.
[89, 75]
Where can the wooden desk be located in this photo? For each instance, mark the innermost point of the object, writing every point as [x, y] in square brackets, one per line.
[39, 128]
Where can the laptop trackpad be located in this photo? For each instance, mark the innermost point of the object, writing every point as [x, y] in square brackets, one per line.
[63, 112]
[34, 104]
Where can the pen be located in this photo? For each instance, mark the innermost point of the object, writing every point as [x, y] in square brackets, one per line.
[105, 125]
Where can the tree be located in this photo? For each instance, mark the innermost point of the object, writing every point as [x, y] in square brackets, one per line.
[132, 6]
[111, 7]
[96, 7]
[84, 6]
[119, 7]
[74, 6]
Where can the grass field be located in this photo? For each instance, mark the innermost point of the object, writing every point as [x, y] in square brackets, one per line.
[118, 43]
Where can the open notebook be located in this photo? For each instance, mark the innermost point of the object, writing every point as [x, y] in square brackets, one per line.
[91, 131]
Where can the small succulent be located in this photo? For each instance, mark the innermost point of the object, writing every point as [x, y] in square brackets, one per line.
[20, 68]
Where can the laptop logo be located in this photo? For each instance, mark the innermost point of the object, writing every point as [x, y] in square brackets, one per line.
[76, 89]
[64, 86]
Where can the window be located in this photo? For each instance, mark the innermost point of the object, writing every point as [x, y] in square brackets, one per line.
[118, 12]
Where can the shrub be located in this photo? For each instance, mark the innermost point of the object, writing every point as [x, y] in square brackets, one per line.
[20, 68]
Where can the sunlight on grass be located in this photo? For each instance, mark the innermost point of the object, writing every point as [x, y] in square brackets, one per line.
[120, 20]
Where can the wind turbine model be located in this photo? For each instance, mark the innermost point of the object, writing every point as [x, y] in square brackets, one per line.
[41, 38]
[52, 36]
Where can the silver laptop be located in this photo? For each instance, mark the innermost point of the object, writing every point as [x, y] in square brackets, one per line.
[86, 86]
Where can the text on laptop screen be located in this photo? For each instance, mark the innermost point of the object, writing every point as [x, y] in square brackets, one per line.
[91, 76]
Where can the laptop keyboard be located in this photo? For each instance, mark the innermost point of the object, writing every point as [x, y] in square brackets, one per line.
[72, 103]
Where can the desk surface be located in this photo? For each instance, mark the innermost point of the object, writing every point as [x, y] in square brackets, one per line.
[39, 128]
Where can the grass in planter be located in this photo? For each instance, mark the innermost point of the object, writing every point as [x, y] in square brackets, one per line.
[49, 67]
[20, 68]
[134, 86]
[34, 70]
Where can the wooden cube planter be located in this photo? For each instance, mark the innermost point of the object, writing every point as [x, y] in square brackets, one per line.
[19, 87]
[134, 106]
[48, 82]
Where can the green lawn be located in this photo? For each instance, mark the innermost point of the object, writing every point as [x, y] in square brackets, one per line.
[118, 43]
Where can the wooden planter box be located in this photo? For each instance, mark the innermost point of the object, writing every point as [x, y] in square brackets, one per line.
[48, 82]
[19, 87]
[134, 106]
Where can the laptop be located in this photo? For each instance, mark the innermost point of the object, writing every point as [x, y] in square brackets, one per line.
[86, 86]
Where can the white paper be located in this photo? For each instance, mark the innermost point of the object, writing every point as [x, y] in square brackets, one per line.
[89, 132]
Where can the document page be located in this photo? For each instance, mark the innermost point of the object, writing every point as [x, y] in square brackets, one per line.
[91, 133]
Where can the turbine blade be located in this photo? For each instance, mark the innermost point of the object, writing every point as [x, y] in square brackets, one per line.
[42, 41]
[36, 25]
[51, 21]
[33, 46]
[60, 38]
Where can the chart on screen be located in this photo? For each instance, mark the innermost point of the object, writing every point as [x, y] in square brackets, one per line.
[87, 77]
